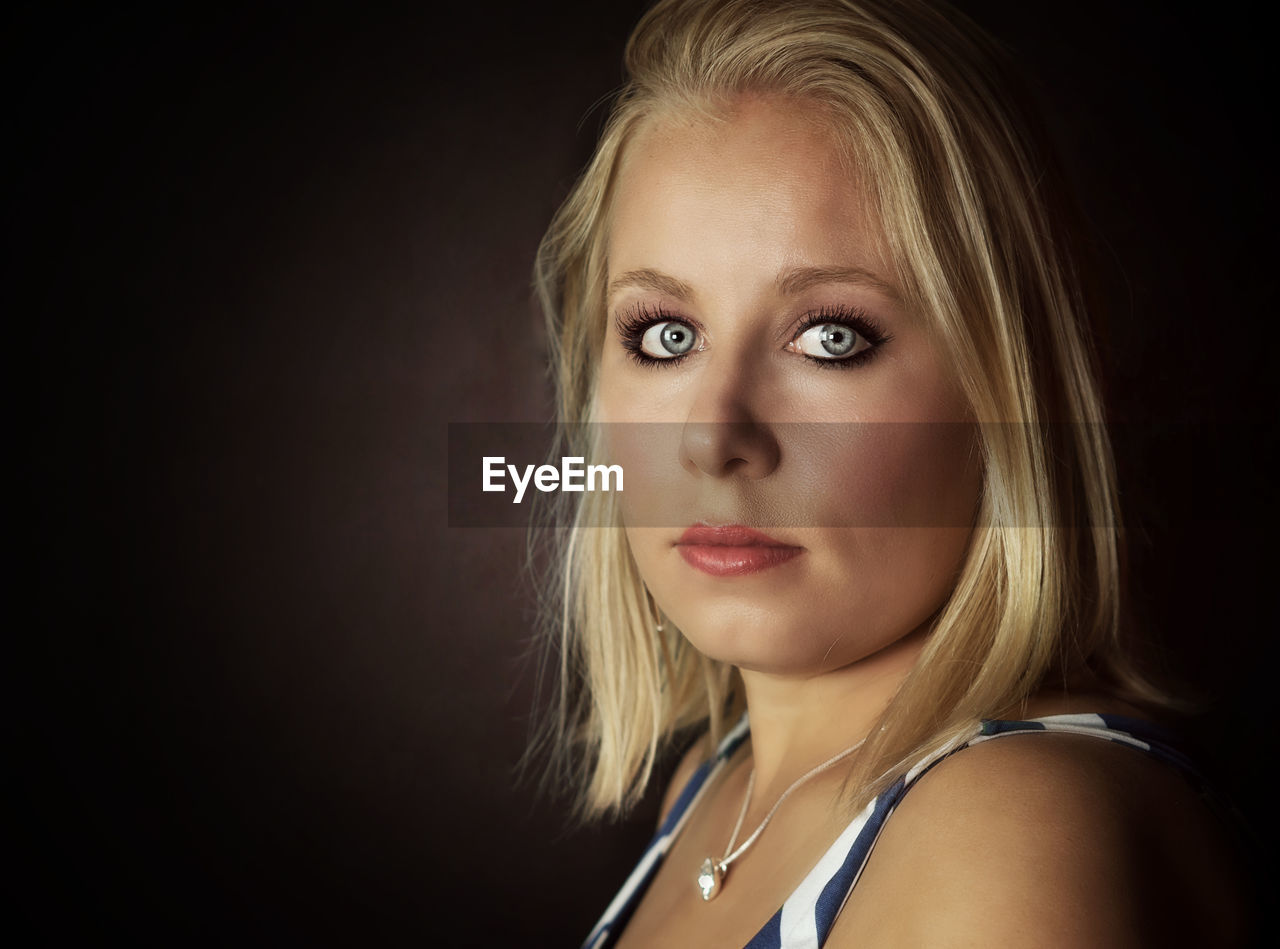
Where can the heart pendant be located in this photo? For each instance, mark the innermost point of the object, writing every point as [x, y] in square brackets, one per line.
[709, 877]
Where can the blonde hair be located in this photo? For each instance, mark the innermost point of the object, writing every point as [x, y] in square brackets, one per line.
[917, 95]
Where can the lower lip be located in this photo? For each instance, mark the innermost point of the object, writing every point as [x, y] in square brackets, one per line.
[735, 561]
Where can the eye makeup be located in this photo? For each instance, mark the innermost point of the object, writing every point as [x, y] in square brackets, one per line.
[635, 322]
[850, 317]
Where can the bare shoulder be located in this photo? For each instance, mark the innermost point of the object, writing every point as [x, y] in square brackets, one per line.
[1049, 840]
[699, 752]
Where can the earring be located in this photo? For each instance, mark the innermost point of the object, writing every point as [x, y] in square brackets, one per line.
[656, 613]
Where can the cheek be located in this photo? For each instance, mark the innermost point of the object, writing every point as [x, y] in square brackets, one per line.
[606, 399]
[628, 392]
[659, 492]
[892, 546]
[872, 588]
[618, 395]
[890, 474]
[898, 576]
[667, 579]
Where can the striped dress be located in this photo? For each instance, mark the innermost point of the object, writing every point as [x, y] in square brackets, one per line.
[806, 917]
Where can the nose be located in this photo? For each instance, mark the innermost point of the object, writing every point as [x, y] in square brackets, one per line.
[726, 433]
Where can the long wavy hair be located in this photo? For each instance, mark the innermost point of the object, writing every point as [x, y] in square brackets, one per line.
[924, 105]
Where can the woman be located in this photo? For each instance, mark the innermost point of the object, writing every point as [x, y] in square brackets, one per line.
[871, 520]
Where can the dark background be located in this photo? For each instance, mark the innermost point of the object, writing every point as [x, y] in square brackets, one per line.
[257, 259]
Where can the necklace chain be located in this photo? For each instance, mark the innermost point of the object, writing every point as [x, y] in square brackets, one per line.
[731, 854]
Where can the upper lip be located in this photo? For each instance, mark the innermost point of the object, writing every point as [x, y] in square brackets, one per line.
[728, 535]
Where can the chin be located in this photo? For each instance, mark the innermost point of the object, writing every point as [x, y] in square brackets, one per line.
[765, 644]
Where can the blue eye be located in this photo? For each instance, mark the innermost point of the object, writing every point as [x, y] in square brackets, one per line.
[667, 340]
[831, 341]
[654, 337]
[834, 337]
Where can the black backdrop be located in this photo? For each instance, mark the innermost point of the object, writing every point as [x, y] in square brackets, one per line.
[256, 259]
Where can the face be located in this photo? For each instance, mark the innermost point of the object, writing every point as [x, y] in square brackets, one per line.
[800, 495]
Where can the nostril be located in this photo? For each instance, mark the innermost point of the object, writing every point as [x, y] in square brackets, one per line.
[724, 449]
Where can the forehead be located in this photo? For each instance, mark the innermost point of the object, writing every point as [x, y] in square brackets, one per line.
[766, 184]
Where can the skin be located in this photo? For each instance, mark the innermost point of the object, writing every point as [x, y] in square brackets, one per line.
[748, 424]
[736, 230]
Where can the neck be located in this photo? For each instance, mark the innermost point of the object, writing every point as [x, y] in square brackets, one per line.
[798, 722]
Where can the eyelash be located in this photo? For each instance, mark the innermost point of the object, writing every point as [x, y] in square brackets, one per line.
[633, 324]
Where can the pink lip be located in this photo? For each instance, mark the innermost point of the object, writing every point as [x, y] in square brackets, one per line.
[732, 550]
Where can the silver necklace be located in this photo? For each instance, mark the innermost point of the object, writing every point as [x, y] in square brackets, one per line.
[711, 873]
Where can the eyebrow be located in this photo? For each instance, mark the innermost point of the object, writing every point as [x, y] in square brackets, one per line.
[651, 280]
[789, 282]
[798, 280]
